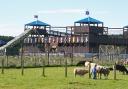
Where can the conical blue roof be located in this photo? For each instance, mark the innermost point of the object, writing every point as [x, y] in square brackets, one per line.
[125, 26]
[37, 23]
[89, 20]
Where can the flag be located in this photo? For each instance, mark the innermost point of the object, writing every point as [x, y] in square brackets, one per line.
[35, 16]
[87, 12]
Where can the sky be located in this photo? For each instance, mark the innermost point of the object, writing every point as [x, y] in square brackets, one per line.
[14, 14]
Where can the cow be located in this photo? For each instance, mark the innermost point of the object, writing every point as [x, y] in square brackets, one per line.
[80, 71]
[121, 68]
[105, 71]
[82, 63]
[98, 67]
[110, 68]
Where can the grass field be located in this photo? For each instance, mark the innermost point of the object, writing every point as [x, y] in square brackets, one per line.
[55, 79]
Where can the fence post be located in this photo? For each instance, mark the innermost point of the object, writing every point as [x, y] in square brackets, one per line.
[4, 57]
[115, 71]
[22, 60]
[7, 60]
[65, 64]
[66, 67]
[60, 60]
[43, 66]
[2, 66]
[89, 71]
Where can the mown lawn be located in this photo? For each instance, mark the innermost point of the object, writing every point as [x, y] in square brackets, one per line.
[55, 79]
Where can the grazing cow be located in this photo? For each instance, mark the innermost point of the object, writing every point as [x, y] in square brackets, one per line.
[105, 72]
[82, 63]
[121, 68]
[87, 63]
[110, 68]
[80, 71]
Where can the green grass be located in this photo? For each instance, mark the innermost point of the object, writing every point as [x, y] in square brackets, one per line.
[55, 79]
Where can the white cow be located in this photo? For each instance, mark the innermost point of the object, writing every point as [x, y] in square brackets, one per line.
[80, 71]
[92, 65]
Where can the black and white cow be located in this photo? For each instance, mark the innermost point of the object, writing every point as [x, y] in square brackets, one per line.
[105, 71]
[121, 68]
[81, 63]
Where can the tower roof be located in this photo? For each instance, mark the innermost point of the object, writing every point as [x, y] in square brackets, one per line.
[89, 20]
[2, 42]
[37, 23]
[125, 26]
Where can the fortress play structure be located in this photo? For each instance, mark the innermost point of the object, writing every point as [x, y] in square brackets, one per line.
[85, 36]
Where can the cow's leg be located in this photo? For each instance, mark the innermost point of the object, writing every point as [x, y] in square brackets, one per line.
[105, 75]
[75, 74]
[123, 72]
[97, 74]
[100, 75]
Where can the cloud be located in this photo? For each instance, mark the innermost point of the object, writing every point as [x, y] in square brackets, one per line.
[69, 11]
[101, 12]
[61, 11]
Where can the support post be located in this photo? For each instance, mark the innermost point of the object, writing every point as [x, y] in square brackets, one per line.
[48, 44]
[99, 54]
[72, 54]
[65, 56]
[48, 56]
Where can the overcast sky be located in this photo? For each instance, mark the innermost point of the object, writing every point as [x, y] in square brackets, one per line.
[15, 13]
